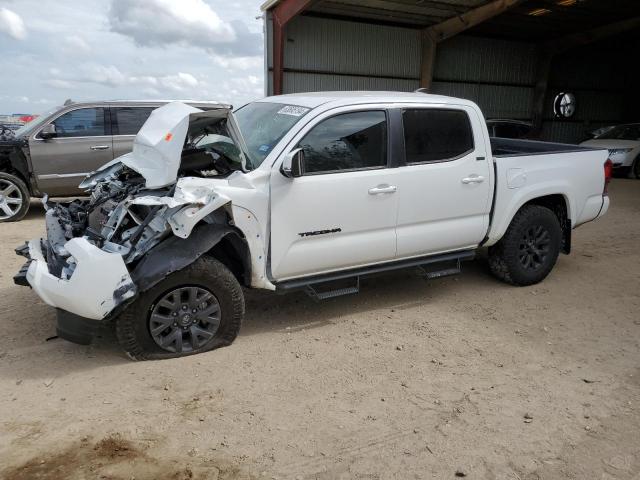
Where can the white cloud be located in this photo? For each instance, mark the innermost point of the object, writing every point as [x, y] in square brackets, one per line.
[58, 83]
[111, 76]
[11, 23]
[157, 22]
[180, 82]
[75, 43]
[238, 63]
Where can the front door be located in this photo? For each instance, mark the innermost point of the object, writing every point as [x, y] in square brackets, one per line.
[342, 212]
[82, 144]
[445, 186]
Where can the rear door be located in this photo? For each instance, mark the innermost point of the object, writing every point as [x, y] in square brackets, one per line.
[126, 122]
[445, 184]
[342, 212]
[82, 144]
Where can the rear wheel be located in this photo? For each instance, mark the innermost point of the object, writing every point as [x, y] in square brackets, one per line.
[635, 171]
[14, 198]
[197, 309]
[529, 249]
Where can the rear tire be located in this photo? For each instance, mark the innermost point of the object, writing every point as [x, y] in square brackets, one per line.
[635, 169]
[14, 198]
[201, 308]
[529, 248]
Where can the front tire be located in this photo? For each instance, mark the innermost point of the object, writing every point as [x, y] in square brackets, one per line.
[529, 248]
[194, 310]
[14, 198]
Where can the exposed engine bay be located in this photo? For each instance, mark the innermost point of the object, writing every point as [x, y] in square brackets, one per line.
[123, 216]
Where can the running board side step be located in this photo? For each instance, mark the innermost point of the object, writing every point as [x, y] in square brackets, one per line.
[327, 294]
[308, 284]
[445, 272]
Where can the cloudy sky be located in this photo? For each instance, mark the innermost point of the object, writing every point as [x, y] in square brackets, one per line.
[51, 50]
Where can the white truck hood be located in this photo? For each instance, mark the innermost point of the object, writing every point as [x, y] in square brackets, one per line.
[157, 148]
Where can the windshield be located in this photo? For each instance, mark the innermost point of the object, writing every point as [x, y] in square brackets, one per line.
[622, 132]
[27, 128]
[263, 124]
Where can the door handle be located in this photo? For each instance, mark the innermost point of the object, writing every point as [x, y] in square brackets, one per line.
[382, 189]
[99, 147]
[473, 179]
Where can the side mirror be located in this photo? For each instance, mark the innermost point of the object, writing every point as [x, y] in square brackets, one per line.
[293, 163]
[48, 131]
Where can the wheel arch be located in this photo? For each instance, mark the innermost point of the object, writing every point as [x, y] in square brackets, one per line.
[226, 244]
[555, 200]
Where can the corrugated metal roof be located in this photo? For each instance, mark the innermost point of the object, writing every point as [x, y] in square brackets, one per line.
[530, 20]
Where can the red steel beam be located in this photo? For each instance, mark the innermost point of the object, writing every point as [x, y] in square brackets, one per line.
[282, 14]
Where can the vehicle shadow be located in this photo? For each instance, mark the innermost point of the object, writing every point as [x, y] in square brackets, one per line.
[38, 354]
[36, 210]
[268, 312]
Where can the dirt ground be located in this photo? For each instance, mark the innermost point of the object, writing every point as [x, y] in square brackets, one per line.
[462, 376]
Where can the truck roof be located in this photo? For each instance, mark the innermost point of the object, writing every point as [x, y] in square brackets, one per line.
[338, 98]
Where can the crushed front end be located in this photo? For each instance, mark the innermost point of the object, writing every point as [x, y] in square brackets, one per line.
[85, 266]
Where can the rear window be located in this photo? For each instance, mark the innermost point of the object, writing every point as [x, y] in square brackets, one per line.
[433, 135]
[129, 120]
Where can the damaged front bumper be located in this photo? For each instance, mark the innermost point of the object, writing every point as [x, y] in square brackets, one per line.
[99, 282]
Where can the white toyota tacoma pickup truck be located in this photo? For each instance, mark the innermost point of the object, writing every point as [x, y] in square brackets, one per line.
[307, 191]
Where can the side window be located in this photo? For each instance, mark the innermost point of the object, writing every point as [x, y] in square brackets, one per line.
[345, 142]
[84, 122]
[129, 120]
[433, 135]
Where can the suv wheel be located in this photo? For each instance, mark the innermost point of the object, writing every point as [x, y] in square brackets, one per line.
[197, 309]
[14, 198]
[529, 249]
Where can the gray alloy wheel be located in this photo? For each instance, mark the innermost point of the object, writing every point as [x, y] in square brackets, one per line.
[11, 199]
[534, 247]
[184, 319]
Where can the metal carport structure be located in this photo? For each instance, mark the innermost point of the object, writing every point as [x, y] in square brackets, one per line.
[510, 56]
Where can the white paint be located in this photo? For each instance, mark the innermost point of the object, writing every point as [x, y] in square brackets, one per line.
[90, 290]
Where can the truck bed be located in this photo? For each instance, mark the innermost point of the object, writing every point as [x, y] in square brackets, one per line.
[526, 169]
[509, 147]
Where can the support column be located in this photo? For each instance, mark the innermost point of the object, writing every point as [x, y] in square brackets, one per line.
[543, 68]
[278, 56]
[428, 58]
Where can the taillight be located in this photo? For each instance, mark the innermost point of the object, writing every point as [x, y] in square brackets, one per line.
[608, 173]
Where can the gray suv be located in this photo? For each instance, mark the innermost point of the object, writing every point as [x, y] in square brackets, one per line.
[53, 153]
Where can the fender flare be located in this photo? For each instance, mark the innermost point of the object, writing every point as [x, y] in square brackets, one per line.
[177, 253]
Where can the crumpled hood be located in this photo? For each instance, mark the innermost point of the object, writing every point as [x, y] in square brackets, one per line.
[158, 145]
[157, 148]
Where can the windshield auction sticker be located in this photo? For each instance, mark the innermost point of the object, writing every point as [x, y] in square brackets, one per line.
[293, 110]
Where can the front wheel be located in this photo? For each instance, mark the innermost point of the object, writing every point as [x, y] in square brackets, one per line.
[194, 310]
[14, 198]
[529, 248]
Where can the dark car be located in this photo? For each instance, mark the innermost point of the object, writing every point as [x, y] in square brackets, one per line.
[8, 131]
[506, 128]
